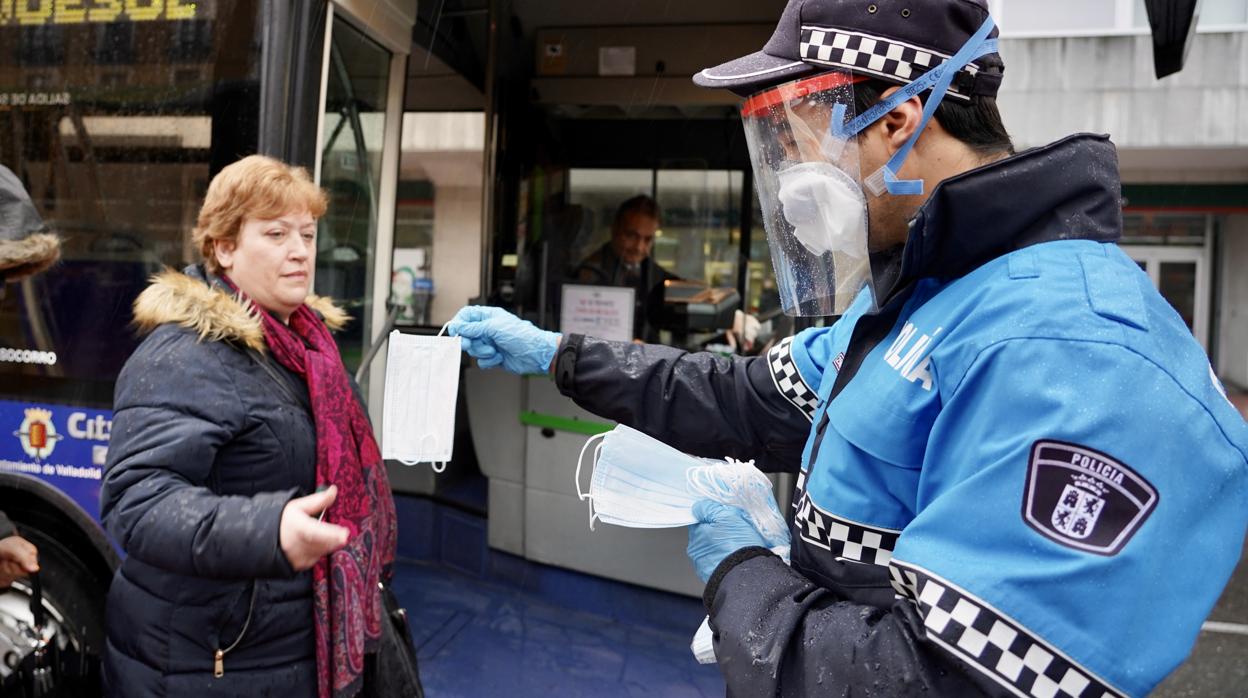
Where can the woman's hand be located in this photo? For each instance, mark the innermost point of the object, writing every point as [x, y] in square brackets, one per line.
[304, 539]
[18, 558]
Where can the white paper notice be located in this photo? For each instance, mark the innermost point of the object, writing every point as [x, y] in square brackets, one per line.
[605, 312]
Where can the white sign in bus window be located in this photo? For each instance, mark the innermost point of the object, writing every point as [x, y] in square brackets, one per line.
[605, 312]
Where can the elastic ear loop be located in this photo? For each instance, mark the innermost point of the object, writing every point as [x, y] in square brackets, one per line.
[585, 496]
[704, 483]
[438, 466]
[728, 487]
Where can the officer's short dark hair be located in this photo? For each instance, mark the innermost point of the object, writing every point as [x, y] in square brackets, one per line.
[976, 123]
[640, 204]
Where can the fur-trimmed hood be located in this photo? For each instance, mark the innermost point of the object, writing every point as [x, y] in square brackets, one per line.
[187, 299]
[26, 246]
[29, 255]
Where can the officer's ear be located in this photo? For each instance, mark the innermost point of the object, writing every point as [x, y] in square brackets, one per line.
[898, 125]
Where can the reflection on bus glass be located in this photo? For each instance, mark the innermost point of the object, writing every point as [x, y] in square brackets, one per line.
[112, 115]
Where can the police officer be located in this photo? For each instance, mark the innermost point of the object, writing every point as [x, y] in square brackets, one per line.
[1017, 473]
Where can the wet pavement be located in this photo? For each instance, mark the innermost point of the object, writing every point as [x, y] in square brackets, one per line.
[477, 638]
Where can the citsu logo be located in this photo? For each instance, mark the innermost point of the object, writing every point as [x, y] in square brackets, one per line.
[910, 356]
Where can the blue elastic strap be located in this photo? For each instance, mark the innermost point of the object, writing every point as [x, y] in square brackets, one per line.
[938, 80]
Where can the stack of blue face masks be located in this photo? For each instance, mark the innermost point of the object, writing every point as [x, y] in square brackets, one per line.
[637, 482]
[640, 482]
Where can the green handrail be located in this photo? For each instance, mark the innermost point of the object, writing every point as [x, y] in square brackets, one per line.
[570, 424]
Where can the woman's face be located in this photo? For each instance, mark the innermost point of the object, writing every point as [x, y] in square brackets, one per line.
[271, 261]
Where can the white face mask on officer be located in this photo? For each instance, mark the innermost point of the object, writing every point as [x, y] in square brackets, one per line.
[422, 387]
[826, 208]
[814, 208]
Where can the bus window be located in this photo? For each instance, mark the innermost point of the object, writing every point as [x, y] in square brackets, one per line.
[701, 237]
[353, 128]
[615, 240]
[598, 193]
[762, 297]
[437, 231]
[113, 118]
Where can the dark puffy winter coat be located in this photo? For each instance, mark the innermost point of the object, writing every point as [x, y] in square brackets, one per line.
[211, 438]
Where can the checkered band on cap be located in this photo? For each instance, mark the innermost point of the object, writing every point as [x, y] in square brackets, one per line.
[845, 539]
[874, 55]
[992, 643]
[788, 380]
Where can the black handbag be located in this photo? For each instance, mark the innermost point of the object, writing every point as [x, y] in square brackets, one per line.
[395, 673]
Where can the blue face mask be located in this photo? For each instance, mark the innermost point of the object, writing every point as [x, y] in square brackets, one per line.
[638, 482]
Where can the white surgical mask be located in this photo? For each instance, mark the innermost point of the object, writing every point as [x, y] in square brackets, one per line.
[638, 482]
[826, 208]
[422, 386]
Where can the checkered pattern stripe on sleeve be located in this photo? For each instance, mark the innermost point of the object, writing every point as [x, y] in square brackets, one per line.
[788, 381]
[799, 491]
[845, 539]
[993, 643]
[875, 55]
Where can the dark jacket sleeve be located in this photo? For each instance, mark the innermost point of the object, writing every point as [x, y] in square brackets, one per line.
[700, 403]
[175, 406]
[6, 526]
[776, 633]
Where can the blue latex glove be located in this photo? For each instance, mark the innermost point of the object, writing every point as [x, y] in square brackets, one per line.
[721, 531]
[495, 337]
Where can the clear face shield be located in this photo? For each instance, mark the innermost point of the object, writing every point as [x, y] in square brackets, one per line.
[809, 185]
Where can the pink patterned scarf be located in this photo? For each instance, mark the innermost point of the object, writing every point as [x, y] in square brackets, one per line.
[347, 604]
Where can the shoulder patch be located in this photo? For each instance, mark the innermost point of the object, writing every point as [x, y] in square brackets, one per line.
[1084, 499]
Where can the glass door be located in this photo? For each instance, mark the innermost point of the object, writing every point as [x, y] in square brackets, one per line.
[353, 128]
[1181, 274]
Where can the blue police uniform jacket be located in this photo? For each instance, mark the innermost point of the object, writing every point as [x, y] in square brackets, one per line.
[1017, 475]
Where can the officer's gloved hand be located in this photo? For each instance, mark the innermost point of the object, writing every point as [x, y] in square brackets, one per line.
[495, 337]
[721, 531]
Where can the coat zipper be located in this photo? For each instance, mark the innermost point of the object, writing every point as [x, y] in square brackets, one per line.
[218, 657]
